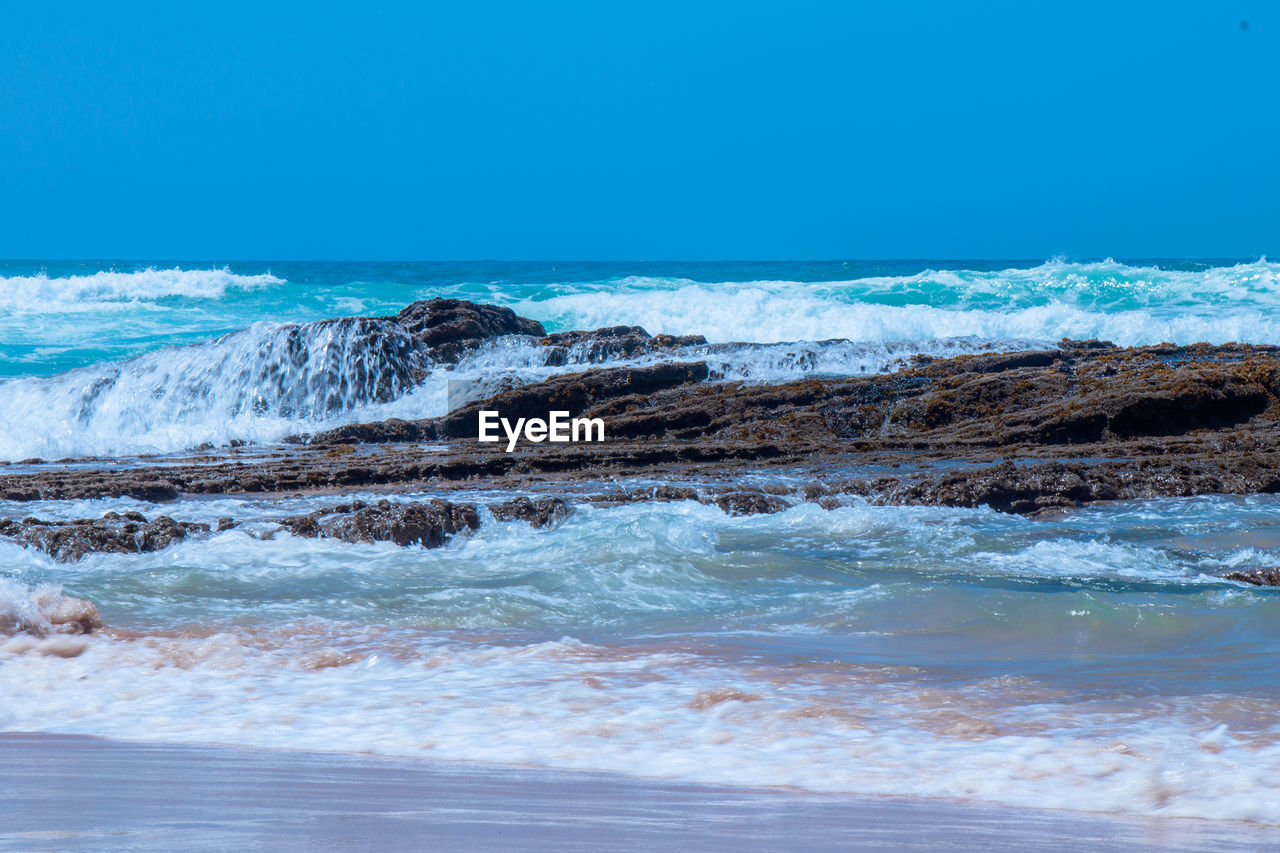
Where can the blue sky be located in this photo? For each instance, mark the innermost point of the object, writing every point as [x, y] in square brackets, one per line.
[612, 130]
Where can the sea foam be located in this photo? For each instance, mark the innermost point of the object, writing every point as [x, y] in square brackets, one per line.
[1130, 306]
[111, 290]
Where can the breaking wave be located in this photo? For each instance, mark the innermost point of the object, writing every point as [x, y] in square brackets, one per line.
[1131, 306]
[42, 610]
[107, 290]
[259, 384]
[271, 381]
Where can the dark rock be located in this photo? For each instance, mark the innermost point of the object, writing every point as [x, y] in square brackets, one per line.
[429, 525]
[749, 503]
[574, 393]
[543, 512]
[1006, 487]
[1092, 344]
[1143, 422]
[154, 492]
[1257, 577]
[671, 493]
[130, 533]
[611, 343]
[998, 362]
[303, 525]
[449, 327]
[378, 432]
[1199, 401]
[164, 531]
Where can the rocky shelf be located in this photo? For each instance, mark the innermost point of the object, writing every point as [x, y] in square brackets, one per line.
[1030, 432]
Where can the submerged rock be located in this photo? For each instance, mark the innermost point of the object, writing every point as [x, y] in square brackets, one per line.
[543, 512]
[129, 533]
[429, 525]
[1257, 577]
[749, 503]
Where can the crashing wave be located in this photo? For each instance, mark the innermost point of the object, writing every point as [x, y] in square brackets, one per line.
[44, 610]
[41, 294]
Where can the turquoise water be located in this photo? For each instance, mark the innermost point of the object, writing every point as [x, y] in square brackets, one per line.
[119, 358]
[56, 316]
[1092, 661]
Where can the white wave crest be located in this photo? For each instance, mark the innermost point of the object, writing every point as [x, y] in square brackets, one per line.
[1129, 305]
[108, 290]
[773, 315]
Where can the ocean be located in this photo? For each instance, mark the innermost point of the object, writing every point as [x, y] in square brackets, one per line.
[1088, 661]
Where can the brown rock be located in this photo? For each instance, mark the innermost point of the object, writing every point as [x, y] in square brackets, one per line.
[429, 525]
[611, 343]
[449, 327]
[1257, 577]
[749, 503]
[543, 512]
[574, 393]
[130, 533]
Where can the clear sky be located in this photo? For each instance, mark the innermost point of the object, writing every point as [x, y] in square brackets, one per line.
[645, 130]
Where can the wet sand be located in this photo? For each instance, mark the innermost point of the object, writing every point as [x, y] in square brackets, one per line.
[79, 793]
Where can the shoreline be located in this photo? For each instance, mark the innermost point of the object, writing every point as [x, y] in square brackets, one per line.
[71, 792]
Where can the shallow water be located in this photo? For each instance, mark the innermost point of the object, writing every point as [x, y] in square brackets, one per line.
[143, 797]
[1087, 662]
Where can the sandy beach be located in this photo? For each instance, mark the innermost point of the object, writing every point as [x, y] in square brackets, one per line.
[70, 793]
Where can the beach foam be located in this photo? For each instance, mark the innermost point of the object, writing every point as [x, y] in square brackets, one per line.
[879, 650]
[668, 714]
